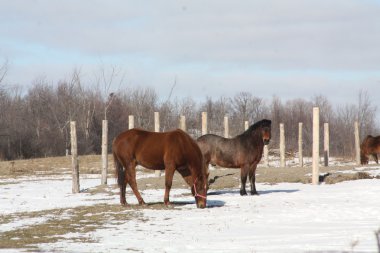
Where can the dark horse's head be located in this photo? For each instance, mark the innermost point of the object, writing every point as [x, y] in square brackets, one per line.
[264, 128]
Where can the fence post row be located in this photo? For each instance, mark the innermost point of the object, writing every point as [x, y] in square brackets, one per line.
[357, 143]
[300, 144]
[182, 123]
[131, 121]
[226, 128]
[74, 157]
[315, 177]
[326, 144]
[266, 154]
[104, 151]
[204, 123]
[157, 129]
[282, 146]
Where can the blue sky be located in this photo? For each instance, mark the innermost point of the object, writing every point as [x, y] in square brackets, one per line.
[287, 48]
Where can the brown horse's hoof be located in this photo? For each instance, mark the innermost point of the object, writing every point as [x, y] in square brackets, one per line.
[168, 204]
[142, 203]
[255, 193]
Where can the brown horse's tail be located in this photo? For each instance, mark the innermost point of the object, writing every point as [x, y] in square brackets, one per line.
[119, 171]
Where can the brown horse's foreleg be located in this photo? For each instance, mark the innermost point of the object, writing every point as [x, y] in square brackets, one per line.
[169, 173]
[131, 173]
[243, 177]
[252, 179]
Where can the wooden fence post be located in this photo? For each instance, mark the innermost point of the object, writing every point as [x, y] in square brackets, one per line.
[282, 146]
[74, 157]
[315, 177]
[157, 129]
[131, 121]
[104, 151]
[204, 123]
[300, 144]
[226, 128]
[246, 125]
[326, 144]
[182, 123]
[266, 154]
[357, 143]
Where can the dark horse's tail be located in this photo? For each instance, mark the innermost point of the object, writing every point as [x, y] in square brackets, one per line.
[119, 172]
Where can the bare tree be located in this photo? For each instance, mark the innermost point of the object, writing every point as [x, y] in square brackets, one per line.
[366, 114]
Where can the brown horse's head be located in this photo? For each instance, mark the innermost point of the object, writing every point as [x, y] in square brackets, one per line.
[197, 185]
[200, 191]
[200, 187]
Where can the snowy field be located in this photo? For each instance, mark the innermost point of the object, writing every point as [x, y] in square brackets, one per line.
[285, 217]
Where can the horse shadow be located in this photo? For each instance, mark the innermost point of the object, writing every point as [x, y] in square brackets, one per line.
[181, 203]
[278, 191]
[237, 192]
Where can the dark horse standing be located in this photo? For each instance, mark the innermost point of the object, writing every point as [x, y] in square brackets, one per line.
[169, 151]
[369, 146]
[243, 151]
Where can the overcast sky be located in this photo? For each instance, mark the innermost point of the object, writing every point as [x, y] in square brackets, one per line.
[287, 48]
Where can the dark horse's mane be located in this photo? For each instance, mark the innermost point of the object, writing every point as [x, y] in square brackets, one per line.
[257, 125]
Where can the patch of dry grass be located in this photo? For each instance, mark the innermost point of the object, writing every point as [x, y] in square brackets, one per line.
[89, 164]
[60, 222]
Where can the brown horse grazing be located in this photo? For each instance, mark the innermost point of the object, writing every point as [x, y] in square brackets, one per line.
[243, 151]
[369, 146]
[169, 151]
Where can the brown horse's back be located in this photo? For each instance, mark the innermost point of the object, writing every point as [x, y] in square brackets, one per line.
[152, 150]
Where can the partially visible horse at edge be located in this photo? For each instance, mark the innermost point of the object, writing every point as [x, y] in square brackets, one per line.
[369, 146]
[243, 151]
[169, 151]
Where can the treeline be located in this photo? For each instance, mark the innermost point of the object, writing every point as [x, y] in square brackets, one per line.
[35, 123]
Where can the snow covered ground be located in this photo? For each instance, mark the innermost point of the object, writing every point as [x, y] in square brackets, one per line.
[285, 217]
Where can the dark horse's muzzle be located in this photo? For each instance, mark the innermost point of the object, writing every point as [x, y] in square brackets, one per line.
[266, 141]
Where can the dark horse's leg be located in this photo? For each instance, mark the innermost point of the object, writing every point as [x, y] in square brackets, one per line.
[243, 177]
[169, 173]
[131, 174]
[252, 179]
[375, 158]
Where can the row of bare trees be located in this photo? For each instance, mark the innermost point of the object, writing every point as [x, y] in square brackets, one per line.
[35, 123]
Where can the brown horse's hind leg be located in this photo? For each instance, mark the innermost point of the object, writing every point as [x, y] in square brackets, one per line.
[123, 201]
[131, 174]
[169, 173]
[252, 179]
[121, 179]
[243, 177]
